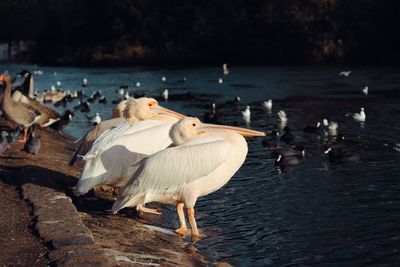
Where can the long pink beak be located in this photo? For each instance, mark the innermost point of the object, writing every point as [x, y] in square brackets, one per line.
[242, 131]
[172, 113]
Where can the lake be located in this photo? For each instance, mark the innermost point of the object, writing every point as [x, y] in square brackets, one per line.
[315, 213]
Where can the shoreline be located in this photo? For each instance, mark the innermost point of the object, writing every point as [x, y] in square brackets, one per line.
[84, 232]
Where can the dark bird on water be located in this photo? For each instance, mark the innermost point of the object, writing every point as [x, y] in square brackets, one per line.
[317, 129]
[269, 142]
[297, 151]
[342, 155]
[32, 146]
[285, 161]
[287, 136]
[103, 100]
[83, 106]
[211, 116]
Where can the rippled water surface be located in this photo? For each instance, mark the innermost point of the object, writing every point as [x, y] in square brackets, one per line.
[316, 213]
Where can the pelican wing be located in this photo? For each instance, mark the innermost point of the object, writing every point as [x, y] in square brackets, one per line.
[113, 163]
[90, 137]
[108, 137]
[177, 166]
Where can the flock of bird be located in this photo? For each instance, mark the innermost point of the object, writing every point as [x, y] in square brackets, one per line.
[150, 153]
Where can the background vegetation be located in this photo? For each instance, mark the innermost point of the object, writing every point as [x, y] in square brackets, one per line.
[108, 32]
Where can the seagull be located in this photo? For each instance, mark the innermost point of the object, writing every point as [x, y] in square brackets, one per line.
[96, 119]
[204, 159]
[225, 69]
[121, 91]
[84, 82]
[58, 83]
[220, 81]
[365, 90]
[360, 116]
[282, 116]
[268, 104]
[345, 73]
[165, 94]
[137, 84]
[163, 79]
[110, 158]
[246, 114]
[332, 128]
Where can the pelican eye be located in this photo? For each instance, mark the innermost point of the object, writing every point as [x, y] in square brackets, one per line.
[194, 124]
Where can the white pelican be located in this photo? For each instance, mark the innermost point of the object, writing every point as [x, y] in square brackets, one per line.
[84, 82]
[365, 90]
[163, 79]
[204, 160]
[220, 81]
[268, 104]
[246, 114]
[360, 116]
[137, 84]
[111, 156]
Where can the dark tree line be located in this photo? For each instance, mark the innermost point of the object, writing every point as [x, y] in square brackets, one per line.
[105, 32]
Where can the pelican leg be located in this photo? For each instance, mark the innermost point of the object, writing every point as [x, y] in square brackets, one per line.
[182, 230]
[193, 224]
[147, 210]
[25, 133]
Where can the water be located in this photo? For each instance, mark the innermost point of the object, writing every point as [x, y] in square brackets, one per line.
[316, 213]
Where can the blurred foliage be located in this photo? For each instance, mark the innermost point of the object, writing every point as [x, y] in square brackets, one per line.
[177, 31]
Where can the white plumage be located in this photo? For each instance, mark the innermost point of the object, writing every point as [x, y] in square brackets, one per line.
[111, 156]
[165, 94]
[365, 90]
[345, 73]
[96, 119]
[360, 116]
[246, 114]
[268, 104]
[206, 157]
[282, 116]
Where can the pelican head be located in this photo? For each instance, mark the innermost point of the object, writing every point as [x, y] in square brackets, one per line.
[189, 127]
[145, 108]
